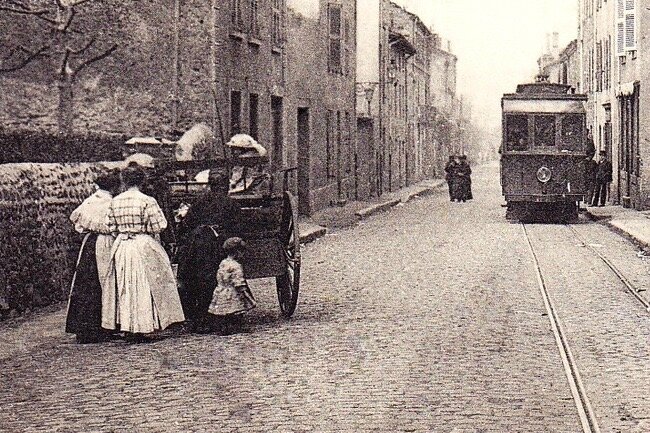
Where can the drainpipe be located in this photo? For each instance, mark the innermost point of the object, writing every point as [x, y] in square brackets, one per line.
[176, 65]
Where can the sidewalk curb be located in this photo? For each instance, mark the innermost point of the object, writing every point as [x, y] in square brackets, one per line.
[620, 229]
[384, 206]
[310, 232]
[425, 190]
[377, 208]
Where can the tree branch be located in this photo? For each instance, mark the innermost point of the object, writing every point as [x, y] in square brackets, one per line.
[97, 58]
[84, 48]
[64, 62]
[64, 28]
[25, 11]
[17, 4]
[31, 56]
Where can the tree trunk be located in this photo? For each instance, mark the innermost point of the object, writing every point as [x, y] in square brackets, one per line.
[65, 112]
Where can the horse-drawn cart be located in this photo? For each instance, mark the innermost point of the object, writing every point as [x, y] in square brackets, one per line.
[268, 220]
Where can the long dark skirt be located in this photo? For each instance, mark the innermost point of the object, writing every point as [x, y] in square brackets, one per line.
[85, 304]
[197, 271]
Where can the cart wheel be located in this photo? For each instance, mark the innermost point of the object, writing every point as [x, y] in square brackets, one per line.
[289, 283]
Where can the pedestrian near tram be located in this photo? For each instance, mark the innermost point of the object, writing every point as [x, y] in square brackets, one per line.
[84, 315]
[591, 169]
[141, 295]
[603, 178]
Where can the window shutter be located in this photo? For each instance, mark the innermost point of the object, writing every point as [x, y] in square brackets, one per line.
[620, 27]
[335, 40]
[630, 25]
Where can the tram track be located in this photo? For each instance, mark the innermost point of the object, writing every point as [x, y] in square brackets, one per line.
[631, 288]
[586, 414]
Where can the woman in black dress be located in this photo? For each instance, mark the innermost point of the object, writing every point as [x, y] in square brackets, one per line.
[84, 316]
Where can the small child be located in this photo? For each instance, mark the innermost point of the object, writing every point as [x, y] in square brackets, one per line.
[232, 296]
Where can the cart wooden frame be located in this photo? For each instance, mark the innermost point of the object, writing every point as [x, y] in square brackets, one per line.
[268, 223]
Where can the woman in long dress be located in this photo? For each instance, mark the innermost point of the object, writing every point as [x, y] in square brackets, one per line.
[145, 297]
[85, 303]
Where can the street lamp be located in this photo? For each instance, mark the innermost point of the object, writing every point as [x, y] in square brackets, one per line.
[369, 91]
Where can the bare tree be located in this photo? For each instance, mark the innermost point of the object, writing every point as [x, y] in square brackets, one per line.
[69, 49]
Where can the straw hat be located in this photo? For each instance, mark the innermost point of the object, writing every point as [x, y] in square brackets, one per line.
[244, 141]
[141, 159]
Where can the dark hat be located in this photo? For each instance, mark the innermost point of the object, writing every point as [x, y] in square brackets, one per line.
[234, 244]
[108, 181]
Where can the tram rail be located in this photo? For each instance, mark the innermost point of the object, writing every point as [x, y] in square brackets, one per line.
[631, 288]
[586, 414]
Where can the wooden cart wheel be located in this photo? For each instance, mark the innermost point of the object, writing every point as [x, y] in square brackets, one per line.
[288, 284]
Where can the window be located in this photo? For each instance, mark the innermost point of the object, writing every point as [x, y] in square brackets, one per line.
[630, 25]
[236, 14]
[253, 24]
[253, 115]
[329, 142]
[334, 59]
[276, 23]
[571, 131]
[544, 131]
[517, 132]
[599, 67]
[235, 112]
[625, 26]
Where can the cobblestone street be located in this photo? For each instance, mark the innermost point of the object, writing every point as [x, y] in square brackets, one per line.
[426, 318]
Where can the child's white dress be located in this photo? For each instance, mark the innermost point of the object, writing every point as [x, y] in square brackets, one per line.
[232, 295]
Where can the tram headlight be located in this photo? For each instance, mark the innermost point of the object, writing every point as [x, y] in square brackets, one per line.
[544, 174]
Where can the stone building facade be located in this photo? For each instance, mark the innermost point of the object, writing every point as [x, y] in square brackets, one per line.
[613, 47]
[321, 70]
[406, 103]
[282, 71]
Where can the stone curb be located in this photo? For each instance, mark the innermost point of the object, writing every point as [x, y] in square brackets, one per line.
[376, 208]
[384, 206]
[311, 232]
[424, 190]
[619, 226]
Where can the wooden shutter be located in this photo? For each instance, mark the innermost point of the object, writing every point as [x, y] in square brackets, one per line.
[335, 29]
[630, 25]
[620, 27]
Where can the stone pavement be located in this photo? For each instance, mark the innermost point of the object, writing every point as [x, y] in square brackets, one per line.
[425, 318]
[632, 223]
[337, 217]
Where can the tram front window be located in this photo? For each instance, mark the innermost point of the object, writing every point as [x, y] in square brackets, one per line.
[572, 132]
[545, 131]
[517, 132]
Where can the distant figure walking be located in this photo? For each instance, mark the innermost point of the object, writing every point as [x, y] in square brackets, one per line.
[84, 317]
[143, 296]
[603, 178]
[464, 173]
[451, 176]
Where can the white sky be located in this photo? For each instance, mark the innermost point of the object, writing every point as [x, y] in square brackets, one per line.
[497, 42]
